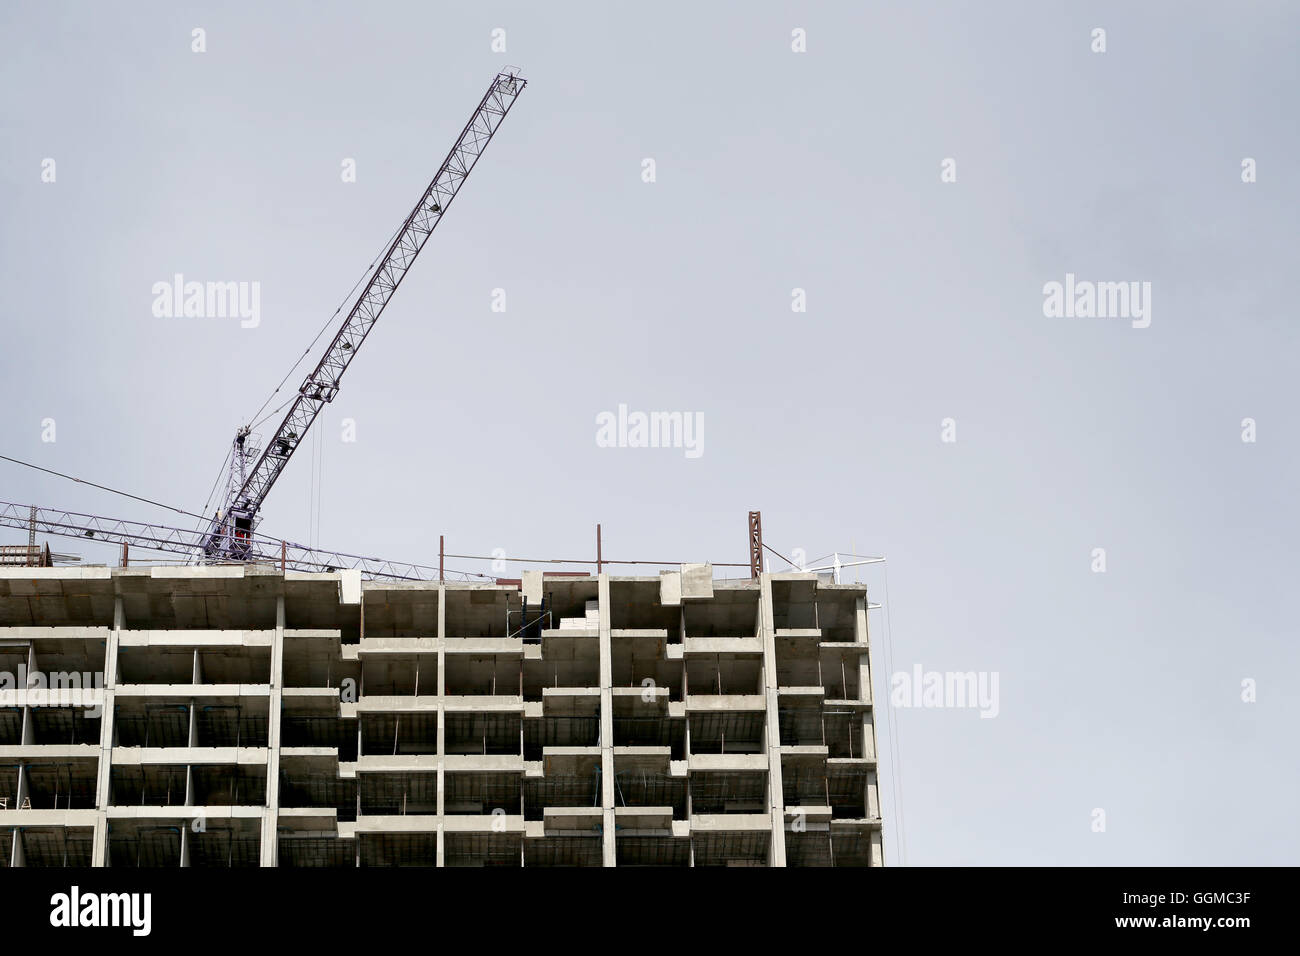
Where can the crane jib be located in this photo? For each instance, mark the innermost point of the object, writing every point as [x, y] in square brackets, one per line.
[235, 523]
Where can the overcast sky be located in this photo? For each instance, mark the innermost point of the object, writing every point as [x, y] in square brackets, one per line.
[774, 170]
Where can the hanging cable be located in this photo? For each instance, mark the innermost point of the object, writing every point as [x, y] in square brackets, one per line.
[328, 322]
[221, 471]
[83, 481]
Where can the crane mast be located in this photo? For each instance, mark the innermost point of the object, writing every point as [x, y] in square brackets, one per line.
[231, 534]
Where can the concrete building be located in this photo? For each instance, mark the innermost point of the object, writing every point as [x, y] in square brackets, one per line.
[240, 716]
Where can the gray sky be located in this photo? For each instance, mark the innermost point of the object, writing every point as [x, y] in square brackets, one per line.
[775, 170]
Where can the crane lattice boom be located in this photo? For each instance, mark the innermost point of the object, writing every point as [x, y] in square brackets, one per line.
[230, 536]
[188, 542]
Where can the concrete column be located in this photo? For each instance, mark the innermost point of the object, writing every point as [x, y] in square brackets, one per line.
[27, 738]
[442, 719]
[606, 724]
[865, 691]
[872, 787]
[24, 797]
[99, 848]
[270, 847]
[28, 732]
[869, 747]
[191, 822]
[771, 733]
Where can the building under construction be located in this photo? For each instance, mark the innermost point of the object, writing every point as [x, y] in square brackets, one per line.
[270, 704]
[241, 715]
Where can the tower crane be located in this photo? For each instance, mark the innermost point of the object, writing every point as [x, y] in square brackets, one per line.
[231, 533]
[228, 538]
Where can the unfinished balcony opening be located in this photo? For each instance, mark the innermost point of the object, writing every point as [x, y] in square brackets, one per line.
[53, 846]
[303, 851]
[578, 849]
[798, 662]
[45, 598]
[851, 846]
[723, 675]
[312, 604]
[478, 611]
[733, 612]
[134, 843]
[635, 606]
[188, 665]
[801, 725]
[580, 668]
[728, 732]
[183, 600]
[479, 794]
[847, 788]
[484, 733]
[837, 615]
[65, 725]
[400, 610]
[313, 722]
[399, 733]
[399, 675]
[62, 784]
[147, 785]
[728, 792]
[233, 843]
[70, 663]
[567, 730]
[156, 665]
[222, 724]
[641, 661]
[9, 778]
[399, 794]
[228, 785]
[740, 848]
[650, 786]
[398, 849]
[140, 722]
[11, 728]
[840, 677]
[817, 605]
[652, 851]
[526, 622]
[844, 736]
[479, 676]
[803, 782]
[314, 782]
[317, 662]
[232, 665]
[15, 659]
[640, 724]
[809, 848]
[570, 657]
[483, 849]
[561, 789]
[794, 604]
[572, 602]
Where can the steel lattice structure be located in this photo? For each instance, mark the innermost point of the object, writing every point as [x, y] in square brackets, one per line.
[294, 557]
[231, 535]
